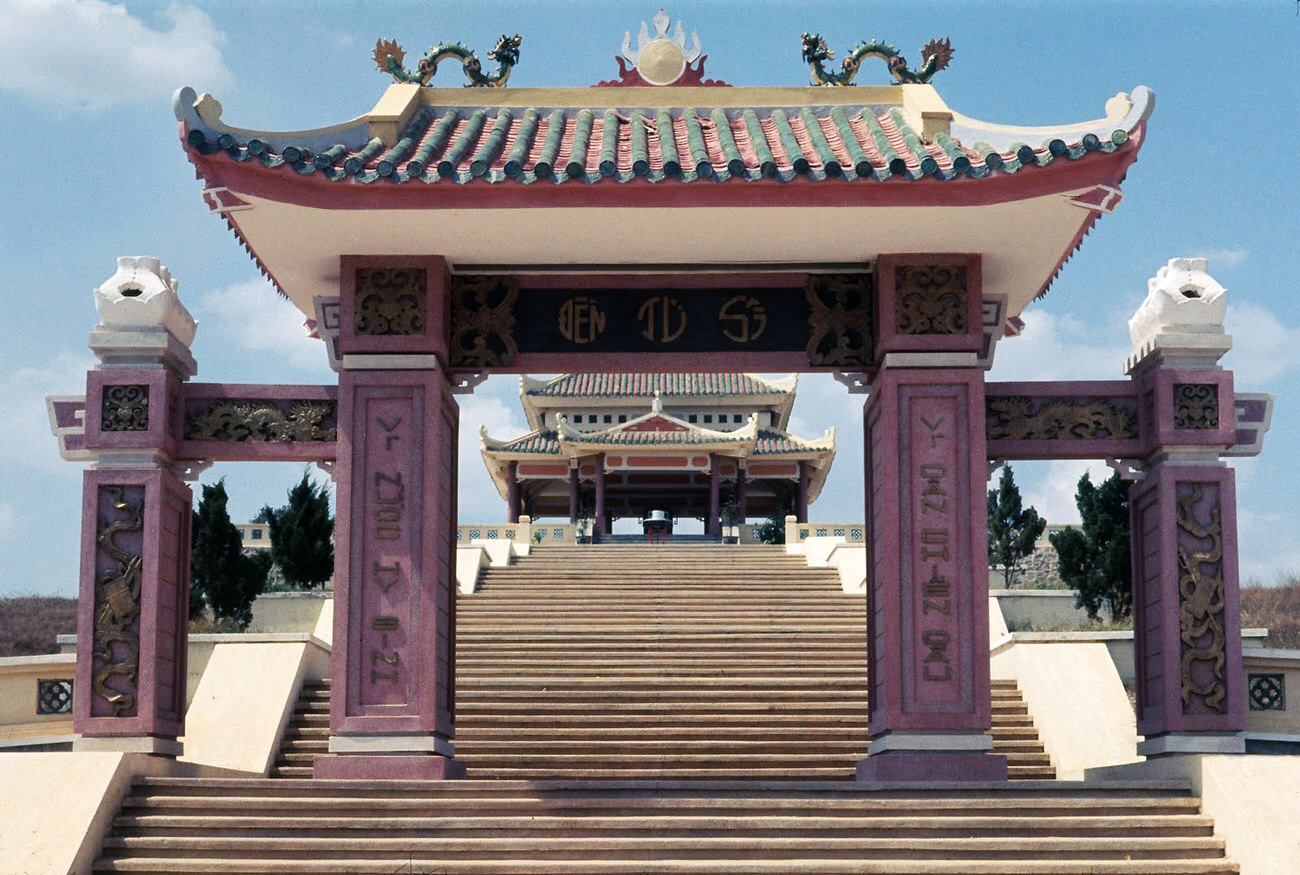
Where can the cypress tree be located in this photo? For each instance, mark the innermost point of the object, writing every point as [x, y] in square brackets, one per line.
[221, 576]
[1013, 529]
[1095, 560]
[301, 535]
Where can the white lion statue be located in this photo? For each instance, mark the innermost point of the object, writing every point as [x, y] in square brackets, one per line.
[1181, 299]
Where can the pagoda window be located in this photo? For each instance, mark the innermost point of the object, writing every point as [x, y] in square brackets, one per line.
[622, 417]
[609, 418]
[735, 417]
[708, 417]
[692, 418]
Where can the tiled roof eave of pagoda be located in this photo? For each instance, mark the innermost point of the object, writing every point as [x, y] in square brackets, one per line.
[836, 148]
[449, 143]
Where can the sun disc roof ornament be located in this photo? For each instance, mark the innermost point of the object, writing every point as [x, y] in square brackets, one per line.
[935, 55]
[389, 57]
[661, 59]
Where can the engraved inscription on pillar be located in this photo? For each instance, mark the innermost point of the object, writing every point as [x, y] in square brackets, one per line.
[935, 547]
[483, 321]
[118, 570]
[1196, 405]
[930, 300]
[839, 319]
[1021, 418]
[390, 301]
[125, 408]
[1201, 598]
[390, 547]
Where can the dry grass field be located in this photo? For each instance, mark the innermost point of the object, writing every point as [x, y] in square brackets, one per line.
[1276, 608]
[28, 624]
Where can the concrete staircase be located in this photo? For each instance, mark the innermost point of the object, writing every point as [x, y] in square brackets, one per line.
[642, 710]
[573, 827]
[700, 662]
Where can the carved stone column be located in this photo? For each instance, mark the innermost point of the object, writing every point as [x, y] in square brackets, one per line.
[1183, 515]
[927, 581]
[133, 608]
[392, 709]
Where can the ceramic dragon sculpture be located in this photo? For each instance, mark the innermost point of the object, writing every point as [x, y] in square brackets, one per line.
[935, 55]
[389, 57]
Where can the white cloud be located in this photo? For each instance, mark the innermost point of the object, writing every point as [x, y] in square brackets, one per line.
[1263, 349]
[29, 446]
[1050, 486]
[1223, 258]
[94, 55]
[495, 406]
[252, 317]
[8, 522]
[1058, 347]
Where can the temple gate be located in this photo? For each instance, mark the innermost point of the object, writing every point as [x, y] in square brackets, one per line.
[867, 232]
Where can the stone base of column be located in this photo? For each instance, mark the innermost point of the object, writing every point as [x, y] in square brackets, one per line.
[1176, 743]
[914, 766]
[388, 767]
[147, 744]
[932, 756]
[417, 756]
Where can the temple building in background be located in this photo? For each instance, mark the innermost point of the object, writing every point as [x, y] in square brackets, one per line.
[606, 446]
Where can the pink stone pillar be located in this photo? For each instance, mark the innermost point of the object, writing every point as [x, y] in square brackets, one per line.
[132, 627]
[600, 522]
[573, 496]
[801, 500]
[512, 492]
[712, 525]
[1191, 697]
[392, 707]
[926, 514]
[133, 605]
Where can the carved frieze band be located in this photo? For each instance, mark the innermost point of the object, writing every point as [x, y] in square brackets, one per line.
[483, 321]
[1021, 418]
[239, 420]
[1201, 598]
[839, 319]
[930, 300]
[1196, 406]
[125, 408]
[390, 301]
[117, 604]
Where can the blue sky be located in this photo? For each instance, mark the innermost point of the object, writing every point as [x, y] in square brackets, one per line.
[94, 170]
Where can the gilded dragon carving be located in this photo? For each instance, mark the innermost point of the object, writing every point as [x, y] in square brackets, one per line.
[1021, 418]
[117, 607]
[228, 420]
[1201, 603]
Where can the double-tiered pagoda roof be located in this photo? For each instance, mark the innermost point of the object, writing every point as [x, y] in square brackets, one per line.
[644, 436]
[669, 178]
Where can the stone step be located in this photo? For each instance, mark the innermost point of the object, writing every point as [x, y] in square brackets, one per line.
[613, 866]
[732, 846]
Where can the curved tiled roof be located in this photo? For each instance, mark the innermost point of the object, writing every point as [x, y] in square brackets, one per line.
[646, 385]
[529, 145]
[549, 443]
